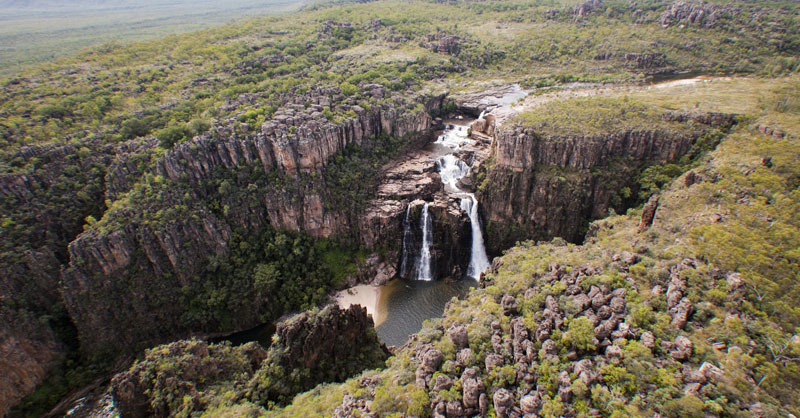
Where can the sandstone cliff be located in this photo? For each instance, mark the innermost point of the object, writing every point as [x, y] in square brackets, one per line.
[44, 198]
[540, 186]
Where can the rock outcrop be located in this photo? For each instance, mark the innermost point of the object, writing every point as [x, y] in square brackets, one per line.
[44, 202]
[692, 13]
[310, 348]
[181, 374]
[27, 352]
[328, 345]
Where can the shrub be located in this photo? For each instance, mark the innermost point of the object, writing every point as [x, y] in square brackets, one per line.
[348, 89]
[686, 407]
[580, 334]
[171, 135]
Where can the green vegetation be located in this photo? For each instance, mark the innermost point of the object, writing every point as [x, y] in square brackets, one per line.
[35, 32]
[271, 274]
[595, 115]
[750, 180]
[84, 143]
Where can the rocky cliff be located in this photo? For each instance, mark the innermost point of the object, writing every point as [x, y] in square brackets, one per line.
[313, 347]
[327, 345]
[544, 185]
[144, 253]
[28, 349]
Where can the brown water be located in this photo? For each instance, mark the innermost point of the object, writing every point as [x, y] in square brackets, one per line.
[407, 303]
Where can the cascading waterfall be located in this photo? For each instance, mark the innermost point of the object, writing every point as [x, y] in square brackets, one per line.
[424, 271]
[406, 236]
[478, 260]
[451, 170]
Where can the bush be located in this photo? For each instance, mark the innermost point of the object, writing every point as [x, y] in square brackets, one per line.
[171, 135]
[348, 89]
[686, 407]
[580, 334]
[133, 128]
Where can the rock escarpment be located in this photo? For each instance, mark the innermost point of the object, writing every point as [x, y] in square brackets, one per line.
[216, 187]
[28, 349]
[310, 348]
[540, 186]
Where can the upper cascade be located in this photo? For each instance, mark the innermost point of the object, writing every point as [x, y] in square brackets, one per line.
[451, 170]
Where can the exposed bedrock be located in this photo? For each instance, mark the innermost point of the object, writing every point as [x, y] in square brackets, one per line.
[124, 282]
[544, 186]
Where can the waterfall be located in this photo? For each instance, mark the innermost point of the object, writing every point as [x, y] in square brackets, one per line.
[406, 236]
[478, 261]
[451, 169]
[424, 267]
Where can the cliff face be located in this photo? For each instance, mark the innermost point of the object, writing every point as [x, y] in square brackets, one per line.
[544, 186]
[139, 265]
[28, 349]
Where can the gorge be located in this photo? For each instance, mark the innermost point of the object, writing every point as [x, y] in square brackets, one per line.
[543, 208]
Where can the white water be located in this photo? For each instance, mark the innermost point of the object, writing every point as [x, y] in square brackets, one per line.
[451, 170]
[424, 271]
[406, 235]
[453, 137]
[478, 261]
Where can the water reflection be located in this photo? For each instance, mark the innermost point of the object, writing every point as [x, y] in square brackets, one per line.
[405, 304]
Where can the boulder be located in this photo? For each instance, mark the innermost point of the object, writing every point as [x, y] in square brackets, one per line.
[492, 361]
[442, 382]
[614, 352]
[503, 402]
[458, 335]
[711, 372]
[682, 312]
[472, 387]
[648, 339]
[431, 360]
[531, 403]
[509, 305]
[464, 357]
[648, 214]
[682, 349]
[617, 304]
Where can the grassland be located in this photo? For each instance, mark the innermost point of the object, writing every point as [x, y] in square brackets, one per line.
[32, 34]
